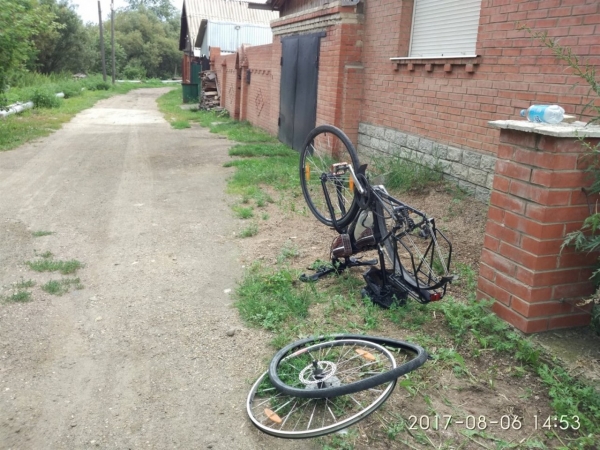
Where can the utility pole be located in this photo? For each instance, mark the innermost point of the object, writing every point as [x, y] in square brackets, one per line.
[102, 42]
[112, 36]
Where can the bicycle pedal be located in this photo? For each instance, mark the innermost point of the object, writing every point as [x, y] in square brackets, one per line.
[358, 262]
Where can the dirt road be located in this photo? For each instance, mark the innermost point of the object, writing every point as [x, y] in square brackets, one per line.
[142, 356]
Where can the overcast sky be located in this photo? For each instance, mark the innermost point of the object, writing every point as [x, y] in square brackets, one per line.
[88, 9]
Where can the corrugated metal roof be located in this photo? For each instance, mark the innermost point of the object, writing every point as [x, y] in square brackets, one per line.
[230, 36]
[224, 11]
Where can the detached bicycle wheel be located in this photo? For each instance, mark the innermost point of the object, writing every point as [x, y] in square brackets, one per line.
[290, 417]
[326, 367]
[325, 177]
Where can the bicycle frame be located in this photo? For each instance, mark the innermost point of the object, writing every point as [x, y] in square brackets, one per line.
[376, 201]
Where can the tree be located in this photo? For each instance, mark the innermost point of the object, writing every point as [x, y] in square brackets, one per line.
[91, 57]
[163, 9]
[60, 49]
[151, 45]
[20, 22]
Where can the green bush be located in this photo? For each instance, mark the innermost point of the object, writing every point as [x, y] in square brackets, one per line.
[102, 86]
[96, 83]
[70, 88]
[45, 97]
[134, 72]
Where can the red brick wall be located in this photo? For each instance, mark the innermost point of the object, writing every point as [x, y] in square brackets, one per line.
[514, 71]
[339, 83]
[449, 106]
[258, 92]
[255, 100]
[228, 72]
[329, 82]
[230, 89]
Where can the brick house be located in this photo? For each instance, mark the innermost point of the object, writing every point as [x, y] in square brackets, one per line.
[221, 23]
[421, 79]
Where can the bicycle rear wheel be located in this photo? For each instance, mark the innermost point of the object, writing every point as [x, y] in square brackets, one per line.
[417, 254]
[326, 367]
[325, 177]
[291, 417]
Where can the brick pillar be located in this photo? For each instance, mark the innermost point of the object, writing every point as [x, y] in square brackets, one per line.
[536, 200]
[215, 53]
[223, 82]
[243, 67]
[185, 68]
[244, 86]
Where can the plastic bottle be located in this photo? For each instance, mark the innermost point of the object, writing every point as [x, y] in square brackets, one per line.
[544, 113]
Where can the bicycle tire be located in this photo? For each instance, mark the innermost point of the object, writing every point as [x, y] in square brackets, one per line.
[323, 147]
[265, 401]
[280, 362]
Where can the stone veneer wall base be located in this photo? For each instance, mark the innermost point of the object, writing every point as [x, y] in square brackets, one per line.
[471, 170]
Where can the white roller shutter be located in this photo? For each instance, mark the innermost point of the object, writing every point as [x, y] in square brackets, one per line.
[444, 28]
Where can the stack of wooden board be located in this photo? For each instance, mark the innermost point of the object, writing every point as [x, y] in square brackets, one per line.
[211, 94]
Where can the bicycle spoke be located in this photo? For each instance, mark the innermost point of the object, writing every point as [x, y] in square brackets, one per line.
[323, 170]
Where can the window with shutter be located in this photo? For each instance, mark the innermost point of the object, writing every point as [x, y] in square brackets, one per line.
[444, 28]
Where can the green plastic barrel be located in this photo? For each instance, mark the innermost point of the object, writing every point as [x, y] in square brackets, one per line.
[190, 92]
[195, 73]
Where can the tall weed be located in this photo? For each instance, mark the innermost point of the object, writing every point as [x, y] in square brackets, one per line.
[404, 175]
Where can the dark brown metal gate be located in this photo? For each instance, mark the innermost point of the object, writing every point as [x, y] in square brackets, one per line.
[298, 92]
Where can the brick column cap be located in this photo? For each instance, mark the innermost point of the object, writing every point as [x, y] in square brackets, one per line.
[561, 130]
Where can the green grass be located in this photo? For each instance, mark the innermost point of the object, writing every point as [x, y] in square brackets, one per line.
[50, 265]
[243, 212]
[403, 175]
[220, 123]
[472, 323]
[180, 124]
[263, 149]
[281, 172]
[249, 231]
[266, 162]
[25, 284]
[239, 131]
[169, 104]
[289, 251]
[41, 233]
[18, 129]
[269, 299]
[60, 287]
[19, 296]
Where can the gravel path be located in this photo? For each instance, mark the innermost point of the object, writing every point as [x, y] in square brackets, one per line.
[142, 356]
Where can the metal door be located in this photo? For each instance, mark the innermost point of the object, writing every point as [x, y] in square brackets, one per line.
[298, 92]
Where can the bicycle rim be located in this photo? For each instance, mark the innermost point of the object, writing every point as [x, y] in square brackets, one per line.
[329, 367]
[286, 416]
[325, 146]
